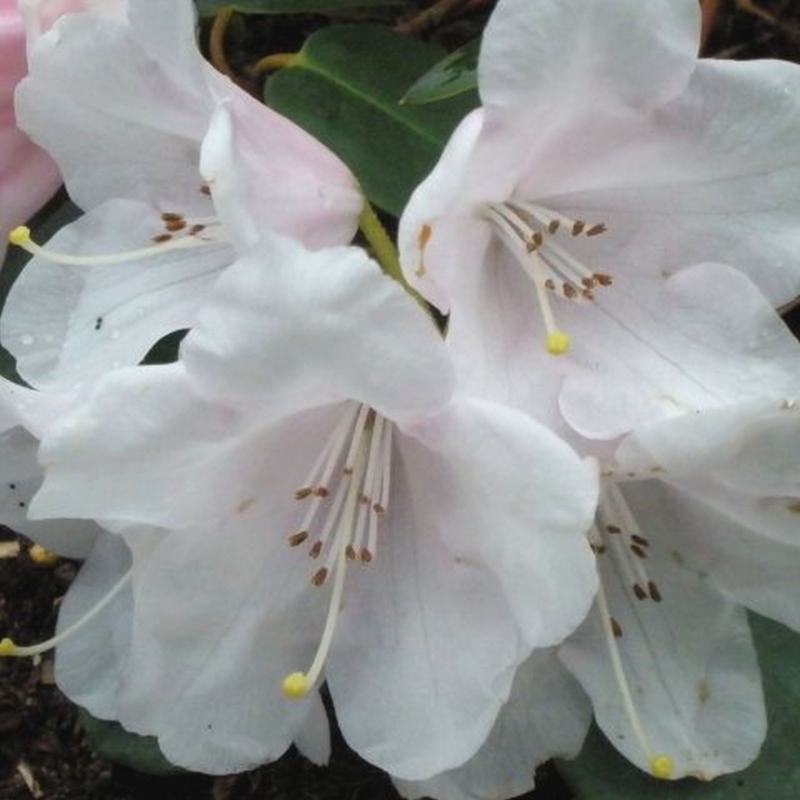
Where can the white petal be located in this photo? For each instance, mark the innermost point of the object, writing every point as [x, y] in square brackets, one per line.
[748, 549]
[115, 120]
[211, 460]
[222, 615]
[711, 176]
[661, 348]
[287, 328]
[268, 174]
[751, 447]
[90, 664]
[546, 716]
[314, 739]
[553, 58]
[68, 325]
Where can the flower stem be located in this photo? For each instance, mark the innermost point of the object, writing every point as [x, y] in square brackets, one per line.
[216, 40]
[382, 246]
[273, 61]
[385, 252]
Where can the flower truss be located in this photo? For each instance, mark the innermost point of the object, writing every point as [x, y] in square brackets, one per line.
[175, 166]
[312, 413]
[698, 514]
[562, 220]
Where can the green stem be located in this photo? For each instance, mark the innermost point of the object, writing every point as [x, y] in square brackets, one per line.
[382, 246]
[385, 252]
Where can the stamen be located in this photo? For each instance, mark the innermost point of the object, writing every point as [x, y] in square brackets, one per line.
[21, 237]
[356, 503]
[9, 648]
[423, 237]
[661, 765]
[627, 543]
[528, 230]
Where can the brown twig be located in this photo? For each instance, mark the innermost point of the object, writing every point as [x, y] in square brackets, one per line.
[430, 17]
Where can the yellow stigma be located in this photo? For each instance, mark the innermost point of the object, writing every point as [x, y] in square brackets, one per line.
[557, 343]
[294, 685]
[661, 766]
[20, 235]
[7, 647]
[41, 556]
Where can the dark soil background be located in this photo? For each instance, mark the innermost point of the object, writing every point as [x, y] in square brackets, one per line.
[43, 752]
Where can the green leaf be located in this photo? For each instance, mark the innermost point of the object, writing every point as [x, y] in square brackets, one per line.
[454, 74]
[208, 8]
[113, 743]
[600, 773]
[345, 88]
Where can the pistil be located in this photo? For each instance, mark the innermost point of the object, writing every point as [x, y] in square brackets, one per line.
[9, 648]
[177, 233]
[528, 231]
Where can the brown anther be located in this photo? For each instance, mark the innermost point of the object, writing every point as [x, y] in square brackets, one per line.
[363, 500]
[347, 471]
[321, 491]
[315, 550]
[535, 242]
[424, 235]
[654, 593]
[175, 224]
[378, 508]
[615, 628]
[366, 556]
[195, 229]
[570, 292]
[640, 540]
[320, 576]
[170, 216]
[550, 284]
[590, 282]
[640, 593]
[596, 230]
[205, 189]
[602, 278]
[639, 551]
[553, 225]
[306, 491]
[578, 226]
[350, 553]
[587, 295]
[161, 238]
[613, 529]
[297, 539]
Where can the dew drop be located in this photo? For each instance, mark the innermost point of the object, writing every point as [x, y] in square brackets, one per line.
[26, 339]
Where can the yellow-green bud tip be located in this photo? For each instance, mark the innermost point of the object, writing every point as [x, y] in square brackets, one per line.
[20, 235]
[661, 766]
[295, 684]
[557, 343]
[7, 647]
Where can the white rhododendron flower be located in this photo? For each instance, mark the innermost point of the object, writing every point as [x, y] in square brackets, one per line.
[312, 412]
[144, 132]
[697, 518]
[604, 148]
